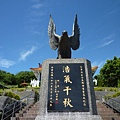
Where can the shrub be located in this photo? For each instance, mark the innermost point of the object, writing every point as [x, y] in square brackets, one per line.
[13, 89]
[35, 88]
[21, 89]
[107, 97]
[17, 97]
[99, 88]
[10, 94]
[36, 97]
[112, 89]
[106, 89]
[116, 94]
[1, 92]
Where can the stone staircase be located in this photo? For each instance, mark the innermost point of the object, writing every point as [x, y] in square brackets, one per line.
[31, 111]
[27, 113]
[107, 113]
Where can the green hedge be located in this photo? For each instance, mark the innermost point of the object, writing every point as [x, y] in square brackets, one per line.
[116, 94]
[12, 95]
[106, 89]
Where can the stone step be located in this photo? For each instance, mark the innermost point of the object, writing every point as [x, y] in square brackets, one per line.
[37, 103]
[26, 115]
[26, 118]
[110, 118]
[18, 115]
[106, 113]
[34, 106]
[33, 109]
[22, 111]
[34, 112]
[30, 115]
[101, 105]
[104, 109]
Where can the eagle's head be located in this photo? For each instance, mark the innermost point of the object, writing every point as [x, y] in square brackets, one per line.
[64, 33]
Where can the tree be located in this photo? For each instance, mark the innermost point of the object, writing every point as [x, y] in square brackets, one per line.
[2, 75]
[11, 79]
[7, 78]
[110, 73]
[24, 76]
[99, 80]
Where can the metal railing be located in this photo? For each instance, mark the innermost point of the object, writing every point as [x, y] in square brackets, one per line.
[10, 110]
[114, 104]
[110, 102]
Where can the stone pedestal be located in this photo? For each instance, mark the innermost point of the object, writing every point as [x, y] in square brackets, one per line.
[67, 91]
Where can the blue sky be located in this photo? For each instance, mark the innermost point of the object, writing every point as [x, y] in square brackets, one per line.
[24, 40]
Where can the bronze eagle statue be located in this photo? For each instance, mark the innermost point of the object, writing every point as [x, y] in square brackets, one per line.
[64, 43]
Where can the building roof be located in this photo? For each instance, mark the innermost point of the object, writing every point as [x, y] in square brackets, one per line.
[37, 69]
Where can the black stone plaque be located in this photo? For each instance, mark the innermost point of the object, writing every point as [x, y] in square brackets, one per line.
[67, 89]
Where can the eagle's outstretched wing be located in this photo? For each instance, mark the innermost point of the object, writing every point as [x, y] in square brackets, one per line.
[53, 38]
[74, 39]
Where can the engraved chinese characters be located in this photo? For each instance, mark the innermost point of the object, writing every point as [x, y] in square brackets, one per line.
[67, 101]
[67, 89]
[83, 86]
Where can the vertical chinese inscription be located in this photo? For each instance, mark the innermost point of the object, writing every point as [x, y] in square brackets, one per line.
[51, 86]
[83, 86]
[56, 90]
[53, 89]
[67, 88]
[67, 101]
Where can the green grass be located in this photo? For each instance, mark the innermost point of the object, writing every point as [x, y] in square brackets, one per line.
[116, 94]
[106, 89]
[109, 96]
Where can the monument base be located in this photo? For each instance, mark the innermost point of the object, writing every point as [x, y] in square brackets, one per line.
[67, 91]
[68, 116]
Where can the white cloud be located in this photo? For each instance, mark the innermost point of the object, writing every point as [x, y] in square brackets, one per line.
[38, 13]
[113, 11]
[36, 32]
[108, 37]
[6, 63]
[106, 43]
[107, 40]
[37, 6]
[25, 54]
